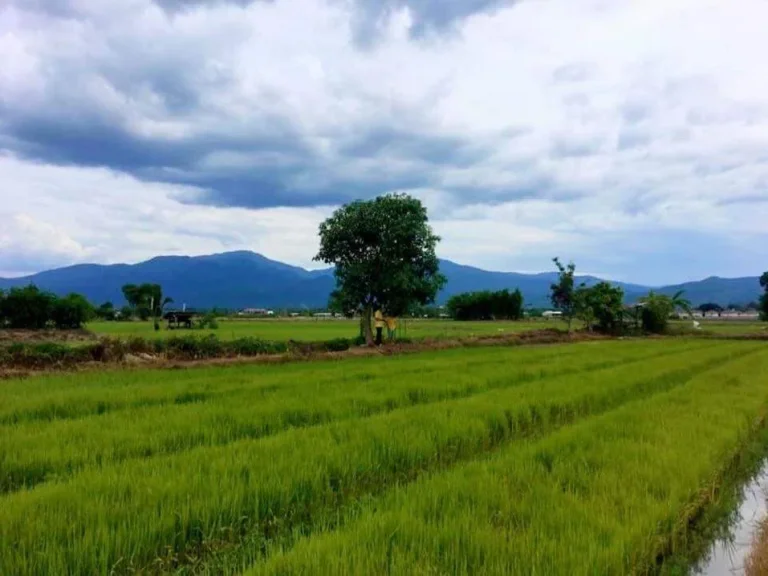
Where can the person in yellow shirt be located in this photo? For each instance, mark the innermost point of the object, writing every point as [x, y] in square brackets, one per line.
[378, 318]
[391, 327]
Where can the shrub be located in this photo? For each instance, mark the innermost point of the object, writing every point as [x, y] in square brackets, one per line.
[208, 322]
[71, 312]
[337, 345]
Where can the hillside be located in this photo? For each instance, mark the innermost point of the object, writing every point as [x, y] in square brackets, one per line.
[246, 279]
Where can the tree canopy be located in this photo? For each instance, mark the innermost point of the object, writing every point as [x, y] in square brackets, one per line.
[383, 251]
[146, 300]
[600, 306]
[500, 305]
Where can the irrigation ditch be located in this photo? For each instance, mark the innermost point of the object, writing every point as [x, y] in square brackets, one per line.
[723, 522]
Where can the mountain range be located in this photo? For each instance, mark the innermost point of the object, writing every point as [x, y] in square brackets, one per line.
[245, 279]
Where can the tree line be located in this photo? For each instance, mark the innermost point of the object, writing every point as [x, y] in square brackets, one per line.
[486, 305]
[30, 308]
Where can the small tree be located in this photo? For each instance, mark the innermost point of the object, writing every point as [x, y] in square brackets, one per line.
[383, 251]
[71, 312]
[763, 304]
[106, 311]
[600, 306]
[656, 310]
[563, 292]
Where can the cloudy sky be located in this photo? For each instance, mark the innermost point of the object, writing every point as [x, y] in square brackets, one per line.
[628, 135]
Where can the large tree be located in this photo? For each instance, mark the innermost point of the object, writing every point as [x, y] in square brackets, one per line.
[146, 300]
[383, 251]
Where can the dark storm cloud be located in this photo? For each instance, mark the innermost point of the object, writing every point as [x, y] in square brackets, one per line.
[431, 149]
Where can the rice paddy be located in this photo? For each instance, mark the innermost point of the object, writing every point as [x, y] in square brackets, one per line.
[570, 459]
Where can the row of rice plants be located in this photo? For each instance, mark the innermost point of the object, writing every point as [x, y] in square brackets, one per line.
[606, 496]
[68, 396]
[33, 451]
[128, 514]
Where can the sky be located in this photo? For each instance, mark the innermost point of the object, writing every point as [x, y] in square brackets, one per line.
[628, 136]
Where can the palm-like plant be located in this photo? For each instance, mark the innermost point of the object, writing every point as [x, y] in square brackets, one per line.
[681, 303]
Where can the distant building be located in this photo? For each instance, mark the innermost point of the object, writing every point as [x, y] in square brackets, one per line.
[256, 312]
[551, 314]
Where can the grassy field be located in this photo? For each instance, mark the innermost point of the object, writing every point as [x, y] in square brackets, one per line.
[569, 459]
[311, 330]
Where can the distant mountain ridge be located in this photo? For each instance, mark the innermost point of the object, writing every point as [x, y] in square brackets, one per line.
[246, 279]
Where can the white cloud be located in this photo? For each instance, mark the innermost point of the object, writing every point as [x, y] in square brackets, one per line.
[571, 127]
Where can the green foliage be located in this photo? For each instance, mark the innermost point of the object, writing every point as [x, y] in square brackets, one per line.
[106, 312]
[71, 312]
[27, 308]
[600, 307]
[383, 251]
[501, 305]
[563, 292]
[146, 300]
[207, 322]
[154, 466]
[710, 307]
[656, 310]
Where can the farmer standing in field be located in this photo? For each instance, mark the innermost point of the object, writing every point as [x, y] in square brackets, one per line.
[379, 319]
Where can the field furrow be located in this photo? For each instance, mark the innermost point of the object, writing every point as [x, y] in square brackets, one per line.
[31, 452]
[605, 496]
[125, 515]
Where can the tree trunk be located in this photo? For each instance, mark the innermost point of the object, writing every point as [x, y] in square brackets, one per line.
[366, 320]
[570, 320]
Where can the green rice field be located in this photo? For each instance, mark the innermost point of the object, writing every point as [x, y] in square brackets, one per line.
[583, 458]
[316, 330]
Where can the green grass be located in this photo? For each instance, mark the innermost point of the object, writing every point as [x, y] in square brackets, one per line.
[312, 330]
[726, 327]
[215, 467]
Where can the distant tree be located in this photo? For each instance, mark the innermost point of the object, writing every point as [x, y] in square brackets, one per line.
[709, 307]
[656, 310]
[146, 300]
[71, 312]
[27, 308]
[563, 292]
[125, 313]
[763, 304]
[106, 311]
[600, 306]
[383, 251]
[501, 305]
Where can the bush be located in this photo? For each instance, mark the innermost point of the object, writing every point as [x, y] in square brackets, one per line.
[208, 322]
[254, 346]
[337, 345]
[26, 308]
[71, 312]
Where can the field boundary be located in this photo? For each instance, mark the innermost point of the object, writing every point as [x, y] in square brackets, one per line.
[22, 360]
